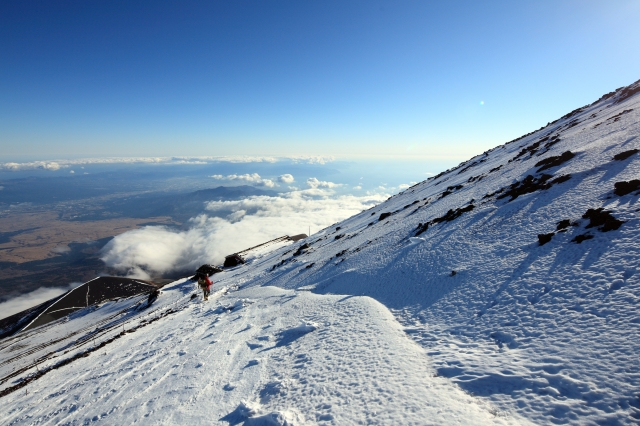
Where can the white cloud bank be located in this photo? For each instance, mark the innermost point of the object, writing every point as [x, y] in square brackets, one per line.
[33, 165]
[157, 250]
[253, 179]
[315, 183]
[286, 178]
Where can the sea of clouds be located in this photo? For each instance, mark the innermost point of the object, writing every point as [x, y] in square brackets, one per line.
[226, 227]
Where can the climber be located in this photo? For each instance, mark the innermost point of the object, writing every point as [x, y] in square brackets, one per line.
[205, 284]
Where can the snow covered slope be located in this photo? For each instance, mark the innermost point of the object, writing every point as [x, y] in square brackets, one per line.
[551, 331]
[505, 290]
[258, 356]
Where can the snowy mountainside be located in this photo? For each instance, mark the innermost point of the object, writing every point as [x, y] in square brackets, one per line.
[503, 291]
[517, 270]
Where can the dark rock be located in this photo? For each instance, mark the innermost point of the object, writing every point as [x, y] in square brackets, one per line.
[565, 223]
[548, 145]
[450, 190]
[624, 188]
[301, 249]
[233, 260]
[572, 113]
[602, 219]
[624, 155]
[618, 116]
[560, 179]
[341, 253]
[339, 236]
[545, 238]
[448, 217]
[475, 163]
[580, 238]
[153, 296]
[453, 214]
[208, 269]
[628, 92]
[572, 123]
[422, 227]
[554, 161]
[383, 216]
[529, 184]
[531, 149]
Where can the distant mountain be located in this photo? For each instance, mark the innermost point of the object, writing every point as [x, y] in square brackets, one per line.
[502, 291]
[228, 193]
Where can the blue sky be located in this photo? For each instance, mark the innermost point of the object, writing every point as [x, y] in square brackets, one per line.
[434, 80]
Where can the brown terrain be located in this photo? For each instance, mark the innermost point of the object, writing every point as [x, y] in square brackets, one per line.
[56, 242]
[42, 248]
[46, 236]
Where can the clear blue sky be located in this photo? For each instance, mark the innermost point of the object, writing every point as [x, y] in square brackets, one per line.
[342, 78]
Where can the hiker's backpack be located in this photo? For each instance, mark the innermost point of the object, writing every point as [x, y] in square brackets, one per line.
[202, 282]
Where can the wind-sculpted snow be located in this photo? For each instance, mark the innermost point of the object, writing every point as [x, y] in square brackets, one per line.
[498, 325]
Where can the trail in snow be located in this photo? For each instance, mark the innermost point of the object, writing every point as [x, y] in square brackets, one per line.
[259, 355]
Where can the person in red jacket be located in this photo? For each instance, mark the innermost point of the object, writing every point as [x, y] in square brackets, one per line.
[205, 284]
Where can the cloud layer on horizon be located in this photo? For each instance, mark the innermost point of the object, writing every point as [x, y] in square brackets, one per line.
[253, 179]
[156, 250]
[60, 164]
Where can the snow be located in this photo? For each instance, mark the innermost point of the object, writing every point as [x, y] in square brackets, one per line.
[467, 320]
[269, 356]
